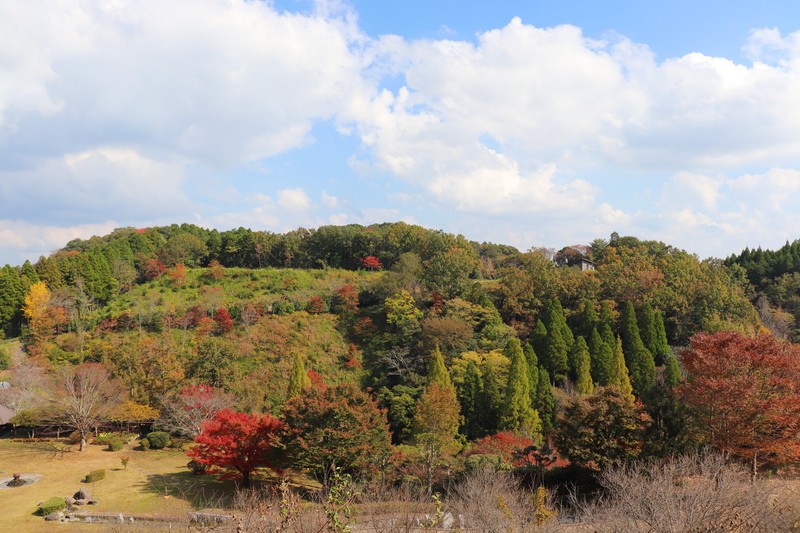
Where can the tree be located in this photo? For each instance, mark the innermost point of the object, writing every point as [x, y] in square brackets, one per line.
[436, 425]
[35, 306]
[403, 315]
[545, 403]
[602, 359]
[238, 442]
[84, 397]
[672, 372]
[339, 426]
[745, 391]
[654, 337]
[555, 357]
[298, 379]
[223, 321]
[620, 377]
[371, 263]
[601, 430]
[518, 413]
[438, 371]
[640, 361]
[470, 393]
[533, 369]
[583, 381]
[185, 413]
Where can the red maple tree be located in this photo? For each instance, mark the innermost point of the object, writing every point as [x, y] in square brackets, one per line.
[236, 444]
[508, 445]
[746, 392]
[223, 321]
[371, 263]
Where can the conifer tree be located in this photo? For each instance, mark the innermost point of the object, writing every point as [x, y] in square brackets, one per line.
[298, 379]
[654, 339]
[518, 413]
[607, 316]
[641, 366]
[538, 338]
[491, 400]
[438, 371]
[588, 319]
[533, 369]
[620, 378]
[12, 296]
[583, 380]
[545, 403]
[469, 396]
[672, 371]
[555, 357]
[601, 357]
[29, 273]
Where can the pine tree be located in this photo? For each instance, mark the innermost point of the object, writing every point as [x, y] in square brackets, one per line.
[651, 327]
[533, 369]
[12, 296]
[29, 273]
[640, 361]
[545, 403]
[587, 320]
[607, 316]
[539, 338]
[661, 344]
[601, 356]
[518, 413]
[620, 378]
[298, 379]
[583, 381]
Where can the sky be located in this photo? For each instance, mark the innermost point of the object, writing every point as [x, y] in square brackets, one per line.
[532, 123]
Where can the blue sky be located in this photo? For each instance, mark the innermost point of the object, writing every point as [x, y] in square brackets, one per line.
[537, 123]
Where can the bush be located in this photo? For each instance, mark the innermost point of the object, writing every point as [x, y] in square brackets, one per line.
[197, 468]
[5, 359]
[116, 443]
[56, 503]
[95, 475]
[104, 437]
[145, 444]
[158, 439]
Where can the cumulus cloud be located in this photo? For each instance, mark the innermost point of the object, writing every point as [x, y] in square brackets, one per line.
[293, 199]
[21, 240]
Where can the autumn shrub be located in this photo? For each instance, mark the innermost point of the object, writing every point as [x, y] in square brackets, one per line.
[158, 439]
[56, 503]
[95, 475]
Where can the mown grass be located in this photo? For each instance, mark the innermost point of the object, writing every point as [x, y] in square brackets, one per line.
[154, 483]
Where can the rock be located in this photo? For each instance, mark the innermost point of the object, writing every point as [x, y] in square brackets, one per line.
[80, 502]
[70, 501]
[93, 501]
[83, 494]
[54, 517]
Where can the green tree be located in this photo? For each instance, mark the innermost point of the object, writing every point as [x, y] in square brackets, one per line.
[518, 413]
[533, 369]
[298, 379]
[672, 372]
[621, 378]
[555, 356]
[602, 359]
[640, 361]
[438, 371]
[583, 382]
[653, 333]
[539, 338]
[600, 430]
[12, 296]
[491, 400]
[339, 427]
[436, 425]
[402, 314]
[470, 394]
[545, 403]
[587, 319]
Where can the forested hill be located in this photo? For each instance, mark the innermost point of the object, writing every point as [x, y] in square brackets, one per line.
[776, 277]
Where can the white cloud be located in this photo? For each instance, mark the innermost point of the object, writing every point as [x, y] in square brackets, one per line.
[293, 199]
[22, 240]
[329, 201]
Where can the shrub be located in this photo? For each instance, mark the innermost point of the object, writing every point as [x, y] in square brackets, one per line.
[158, 439]
[116, 443]
[145, 444]
[95, 475]
[5, 359]
[197, 468]
[104, 438]
[56, 503]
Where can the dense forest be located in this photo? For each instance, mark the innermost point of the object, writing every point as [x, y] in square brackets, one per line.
[453, 353]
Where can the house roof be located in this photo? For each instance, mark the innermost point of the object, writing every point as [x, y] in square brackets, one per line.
[6, 414]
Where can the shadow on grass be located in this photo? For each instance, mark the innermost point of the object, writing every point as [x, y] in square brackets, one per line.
[202, 492]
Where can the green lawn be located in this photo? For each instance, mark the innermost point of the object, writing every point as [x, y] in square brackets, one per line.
[155, 482]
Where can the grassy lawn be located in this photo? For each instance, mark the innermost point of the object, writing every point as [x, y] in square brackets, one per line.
[155, 482]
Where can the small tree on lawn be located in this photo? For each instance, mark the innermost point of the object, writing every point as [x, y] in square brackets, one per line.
[236, 444]
[185, 413]
[84, 396]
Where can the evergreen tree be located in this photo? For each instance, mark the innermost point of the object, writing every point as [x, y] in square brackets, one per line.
[607, 316]
[538, 338]
[533, 369]
[491, 401]
[518, 414]
[587, 320]
[620, 378]
[640, 361]
[651, 327]
[545, 403]
[583, 381]
[601, 356]
[470, 394]
[438, 371]
[555, 357]
[12, 296]
[607, 334]
[672, 371]
[298, 379]
[29, 274]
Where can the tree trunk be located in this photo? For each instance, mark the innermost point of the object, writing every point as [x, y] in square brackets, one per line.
[754, 472]
[246, 479]
[83, 442]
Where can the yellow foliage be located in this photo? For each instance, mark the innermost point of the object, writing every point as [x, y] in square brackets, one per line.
[35, 307]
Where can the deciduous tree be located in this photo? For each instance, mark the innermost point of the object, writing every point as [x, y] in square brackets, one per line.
[184, 413]
[238, 443]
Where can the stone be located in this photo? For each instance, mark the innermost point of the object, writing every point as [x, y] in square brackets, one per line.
[83, 494]
[70, 501]
[54, 517]
[93, 501]
[80, 502]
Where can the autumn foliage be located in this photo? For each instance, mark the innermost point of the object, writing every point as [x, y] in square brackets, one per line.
[371, 263]
[746, 393]
[236, 444]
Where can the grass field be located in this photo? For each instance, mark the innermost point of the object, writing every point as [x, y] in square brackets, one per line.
[154, 482]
